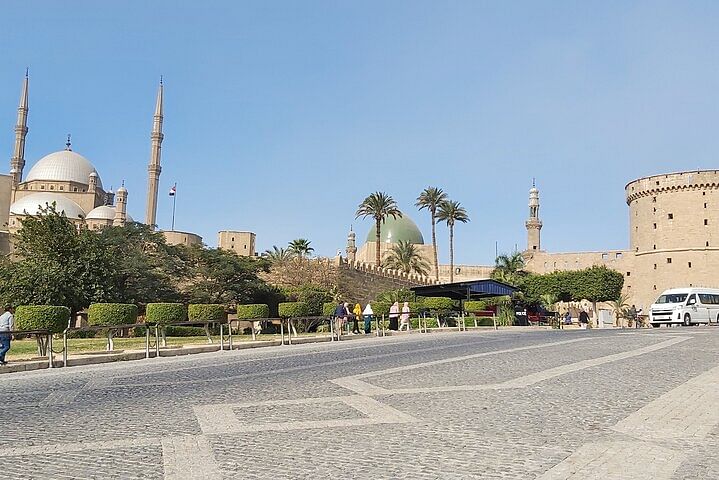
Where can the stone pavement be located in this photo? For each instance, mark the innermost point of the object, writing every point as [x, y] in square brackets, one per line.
[506, 405]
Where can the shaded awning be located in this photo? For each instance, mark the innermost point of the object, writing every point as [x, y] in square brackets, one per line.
[470, 290]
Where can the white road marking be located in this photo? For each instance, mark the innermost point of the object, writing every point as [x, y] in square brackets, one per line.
[617, 461]
[189, 457]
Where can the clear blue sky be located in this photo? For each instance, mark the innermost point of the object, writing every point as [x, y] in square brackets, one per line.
[280, 117]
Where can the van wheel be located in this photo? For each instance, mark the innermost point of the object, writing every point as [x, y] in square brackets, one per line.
[687, 320]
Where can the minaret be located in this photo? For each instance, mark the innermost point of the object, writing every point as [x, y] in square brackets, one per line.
[533, 223]
[154, 169]
[92, 183]
[351, 246]
[17, 162]
[120, 206]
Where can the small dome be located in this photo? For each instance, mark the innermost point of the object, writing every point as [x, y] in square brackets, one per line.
[33, 203]
[395, 229]
[105, 212]
[63, 166]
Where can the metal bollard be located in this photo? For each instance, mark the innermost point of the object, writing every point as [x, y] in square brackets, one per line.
[64, 348]
[222, 338]
[332, 330]
[157, 341]
[229, 327]
[282, 332]
[49, 350]
[147, 342]
[289, 332]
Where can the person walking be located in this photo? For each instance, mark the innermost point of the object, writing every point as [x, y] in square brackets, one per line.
[404, 318]
[583, 319]
[340, 317]
[394, 316]
[7, 324]
[367, 314]
[357, 311]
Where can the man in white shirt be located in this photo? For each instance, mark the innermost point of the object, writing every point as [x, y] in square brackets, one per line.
[7, 324]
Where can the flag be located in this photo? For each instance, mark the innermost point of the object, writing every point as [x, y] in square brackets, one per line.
[173, 190]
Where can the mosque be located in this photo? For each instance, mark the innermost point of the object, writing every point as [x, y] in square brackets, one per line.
[73, 185]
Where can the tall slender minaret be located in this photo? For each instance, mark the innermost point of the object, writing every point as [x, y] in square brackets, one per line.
[17, 162]
[120, 206]
[351, 246]
[154, 169]
[533, 223]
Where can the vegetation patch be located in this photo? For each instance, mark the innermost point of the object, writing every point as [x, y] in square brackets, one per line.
[164, 313]
[111, 314]
[42, 317]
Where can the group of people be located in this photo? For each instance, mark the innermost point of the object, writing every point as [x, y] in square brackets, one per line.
[398, 320]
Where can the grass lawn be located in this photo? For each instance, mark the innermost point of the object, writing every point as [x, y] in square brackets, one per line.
[27, 348]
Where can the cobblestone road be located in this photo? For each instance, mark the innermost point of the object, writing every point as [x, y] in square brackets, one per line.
[509, 405]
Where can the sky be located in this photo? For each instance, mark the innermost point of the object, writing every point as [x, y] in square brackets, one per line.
[282, 116]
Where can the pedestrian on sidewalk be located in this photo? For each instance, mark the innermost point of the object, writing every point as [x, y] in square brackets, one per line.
[7, 324]
[340, 318]
[368, 313]
[357, 311]
[583, 319]
[394, 316]
[404, 319]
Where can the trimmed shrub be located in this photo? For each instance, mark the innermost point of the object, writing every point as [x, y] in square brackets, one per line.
[472, 306]
[42, 317]
[381, 308]
[202, 312]
[438, 304]
[328, 309]
[293, 309]
[162, 313]
[111, 314]
[256, 310]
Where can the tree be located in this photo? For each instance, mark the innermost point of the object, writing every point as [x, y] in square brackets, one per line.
[300, 247]
[222, 276]
[379, 206]
[508, 268]
[405, 256]
[621, 307]
[430, 199]
[451, 212]
[278, 255]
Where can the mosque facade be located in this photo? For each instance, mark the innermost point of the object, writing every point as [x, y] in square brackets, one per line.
[70, 182]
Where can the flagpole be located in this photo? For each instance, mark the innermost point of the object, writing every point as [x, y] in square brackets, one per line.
[174, 201]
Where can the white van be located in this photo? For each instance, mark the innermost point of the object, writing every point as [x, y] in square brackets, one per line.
[685, 305]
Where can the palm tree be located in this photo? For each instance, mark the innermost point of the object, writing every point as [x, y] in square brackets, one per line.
[300, 247]
[508, 268]
[379, 206]
[430, 198]
[278, 255]
[405, 256]
[451, 212]
[620, 306]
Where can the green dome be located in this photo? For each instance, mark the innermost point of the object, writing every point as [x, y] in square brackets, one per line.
[393, 230]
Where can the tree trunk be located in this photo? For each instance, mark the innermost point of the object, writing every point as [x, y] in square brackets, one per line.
[377, 241]
[451, 253]
[434, 246]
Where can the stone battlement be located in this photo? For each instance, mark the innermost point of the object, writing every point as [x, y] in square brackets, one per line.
[389, 273]
[670, 183]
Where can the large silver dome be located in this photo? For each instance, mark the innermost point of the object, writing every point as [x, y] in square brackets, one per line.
[63, 166]
[105, 212]
[31, 205]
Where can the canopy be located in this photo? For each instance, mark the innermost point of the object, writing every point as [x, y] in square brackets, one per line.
[473, 289]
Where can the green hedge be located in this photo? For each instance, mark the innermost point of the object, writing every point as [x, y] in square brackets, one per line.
[111, 314]
[328, 309]
[42, 317]
[438, 304]
[163, 313]
[475, 306]
[293, 309]
[255, 310]
[202, 312]
[381, 308]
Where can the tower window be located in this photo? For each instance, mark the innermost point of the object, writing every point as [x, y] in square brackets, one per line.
[654, 199]
[657, 182]
[534, 247]
[655, 209]
[655, 266]
[706, 221]
[74, 189]
[707, 244]
[689, 264]
[233, 239]
[629, 274]
[42, 187]
[52, 187]
[636, 249]
[655, 287]
[618, 255]
[705, 204]
[655, 226]
[669, 259]
[655, 247]
[62, 188]
[670, 216]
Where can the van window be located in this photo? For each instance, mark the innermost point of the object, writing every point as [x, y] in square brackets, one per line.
[709, 299]
[692, 300]
[672, 298]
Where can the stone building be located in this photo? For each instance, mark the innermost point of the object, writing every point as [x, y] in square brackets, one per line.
[242, 243]
[673, 237]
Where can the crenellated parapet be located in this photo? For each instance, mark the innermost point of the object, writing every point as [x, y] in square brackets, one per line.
[652, 186]
[389, 273]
